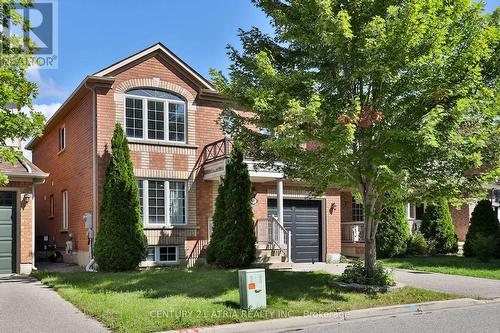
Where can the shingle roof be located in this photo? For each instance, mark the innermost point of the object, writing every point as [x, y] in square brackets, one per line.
[21, 168]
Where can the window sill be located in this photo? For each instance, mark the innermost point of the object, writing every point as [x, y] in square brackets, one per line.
[63, 231]
[162, 143]
[52, 217]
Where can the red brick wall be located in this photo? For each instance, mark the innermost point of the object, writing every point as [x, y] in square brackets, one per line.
[346, 206]
[69, 170]
[460, 217]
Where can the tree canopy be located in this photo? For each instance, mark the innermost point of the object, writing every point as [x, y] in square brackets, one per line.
[18, 120]
[373, 95]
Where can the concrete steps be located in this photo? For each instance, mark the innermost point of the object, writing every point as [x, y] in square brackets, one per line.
[274, 265]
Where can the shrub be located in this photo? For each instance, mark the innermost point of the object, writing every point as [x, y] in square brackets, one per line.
[497, 247]
[355, 273]
[438, 228]
[233, 244]
[484, 247]
[219, 227]
[417, 245]
[120, 242]
[393, 232]
[483, 222]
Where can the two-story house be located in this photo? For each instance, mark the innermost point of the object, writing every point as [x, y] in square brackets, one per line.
[170, 115]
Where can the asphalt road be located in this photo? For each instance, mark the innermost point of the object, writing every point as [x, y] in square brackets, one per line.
[28, 306]
[477, 318]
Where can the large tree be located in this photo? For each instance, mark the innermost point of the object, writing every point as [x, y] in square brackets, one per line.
[373, 95]
[18, 120]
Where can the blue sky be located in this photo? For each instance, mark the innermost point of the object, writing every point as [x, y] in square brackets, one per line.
[94, 34]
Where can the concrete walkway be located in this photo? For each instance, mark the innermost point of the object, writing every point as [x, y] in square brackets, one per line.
[26, 305]
[451, 284]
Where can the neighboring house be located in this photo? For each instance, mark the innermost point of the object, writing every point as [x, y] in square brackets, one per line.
[170, 115]
[17, 210]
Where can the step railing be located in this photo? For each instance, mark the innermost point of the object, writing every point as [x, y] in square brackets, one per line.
[195, 253]
[273, 235]
[353, 232]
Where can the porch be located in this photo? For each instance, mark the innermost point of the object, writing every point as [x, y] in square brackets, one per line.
[290, 224]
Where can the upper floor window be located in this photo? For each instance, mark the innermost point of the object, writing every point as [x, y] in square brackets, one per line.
[62, 138]
[155, 115]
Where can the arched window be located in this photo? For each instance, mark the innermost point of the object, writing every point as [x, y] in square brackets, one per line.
[155, 115]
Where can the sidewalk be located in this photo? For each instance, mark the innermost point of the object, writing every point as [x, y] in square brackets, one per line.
[319, 319]
[26, 305]
[447, 283]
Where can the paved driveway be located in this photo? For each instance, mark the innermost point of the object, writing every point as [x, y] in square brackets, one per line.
[28, 306]
[452, 284]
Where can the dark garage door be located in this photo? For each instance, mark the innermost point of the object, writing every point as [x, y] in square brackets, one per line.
[303, 219]
[7, 231]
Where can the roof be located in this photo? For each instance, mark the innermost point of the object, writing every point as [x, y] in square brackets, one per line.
[22, 168]
[162, 50]
[105, 77]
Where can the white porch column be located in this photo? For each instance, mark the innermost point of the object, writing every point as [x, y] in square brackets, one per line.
[279, 197]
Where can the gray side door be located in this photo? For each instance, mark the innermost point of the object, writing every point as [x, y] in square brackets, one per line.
[7, 232]
[303, 219]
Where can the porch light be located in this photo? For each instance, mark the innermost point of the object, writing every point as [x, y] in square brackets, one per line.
[333, 207]
[26, 198]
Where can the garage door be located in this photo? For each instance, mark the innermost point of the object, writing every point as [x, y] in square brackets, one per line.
[303, 219]
[7, 231]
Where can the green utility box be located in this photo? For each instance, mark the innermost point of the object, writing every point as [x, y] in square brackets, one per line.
[252, 288]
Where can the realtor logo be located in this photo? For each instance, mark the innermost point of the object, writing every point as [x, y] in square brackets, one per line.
[42, 16]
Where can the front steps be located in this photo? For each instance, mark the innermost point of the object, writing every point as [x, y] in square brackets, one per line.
[271, 259]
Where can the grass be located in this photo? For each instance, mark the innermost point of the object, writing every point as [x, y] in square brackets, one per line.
[457, 265]
[165, 299]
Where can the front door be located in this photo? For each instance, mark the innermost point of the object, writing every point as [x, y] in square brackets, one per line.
[303, 219]
[7, 232]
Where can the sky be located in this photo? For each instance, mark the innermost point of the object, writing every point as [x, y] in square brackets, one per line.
[93, 34]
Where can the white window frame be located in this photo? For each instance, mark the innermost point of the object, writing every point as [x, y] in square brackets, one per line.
[166, 103]
[157, 255]
[52, 206]
[65, 210]
[145, 203]
[62, 138]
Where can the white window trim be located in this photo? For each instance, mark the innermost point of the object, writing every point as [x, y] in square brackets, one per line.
[62, 138]
[145, 203]
[52, 206]
[65, 210]
[157, 255]
[166, 103]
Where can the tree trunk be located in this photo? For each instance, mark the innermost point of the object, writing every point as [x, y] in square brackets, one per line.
[369, 203]
[370, 258]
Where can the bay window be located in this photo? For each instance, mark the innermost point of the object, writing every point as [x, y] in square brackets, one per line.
[163, 203]
[155, 115]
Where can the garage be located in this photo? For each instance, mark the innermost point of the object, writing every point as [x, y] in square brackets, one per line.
[7, 231]
[303, 219]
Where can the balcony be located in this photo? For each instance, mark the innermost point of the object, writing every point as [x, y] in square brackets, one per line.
[214, 157]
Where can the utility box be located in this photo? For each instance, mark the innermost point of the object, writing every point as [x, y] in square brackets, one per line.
[252, 288]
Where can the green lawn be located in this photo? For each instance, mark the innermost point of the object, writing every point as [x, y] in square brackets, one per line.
[449, 265]
[164, 299]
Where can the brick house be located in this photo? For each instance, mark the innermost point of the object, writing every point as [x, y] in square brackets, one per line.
[169, 113]
[170, 116]
[17, 210]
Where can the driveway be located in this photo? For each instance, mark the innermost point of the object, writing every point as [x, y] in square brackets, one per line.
[28, 306]
[451, 284]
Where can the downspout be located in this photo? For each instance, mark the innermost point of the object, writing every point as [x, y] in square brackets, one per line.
[33, 267]
[89, 267]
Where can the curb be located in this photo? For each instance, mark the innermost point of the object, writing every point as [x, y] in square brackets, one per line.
[319, 319]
